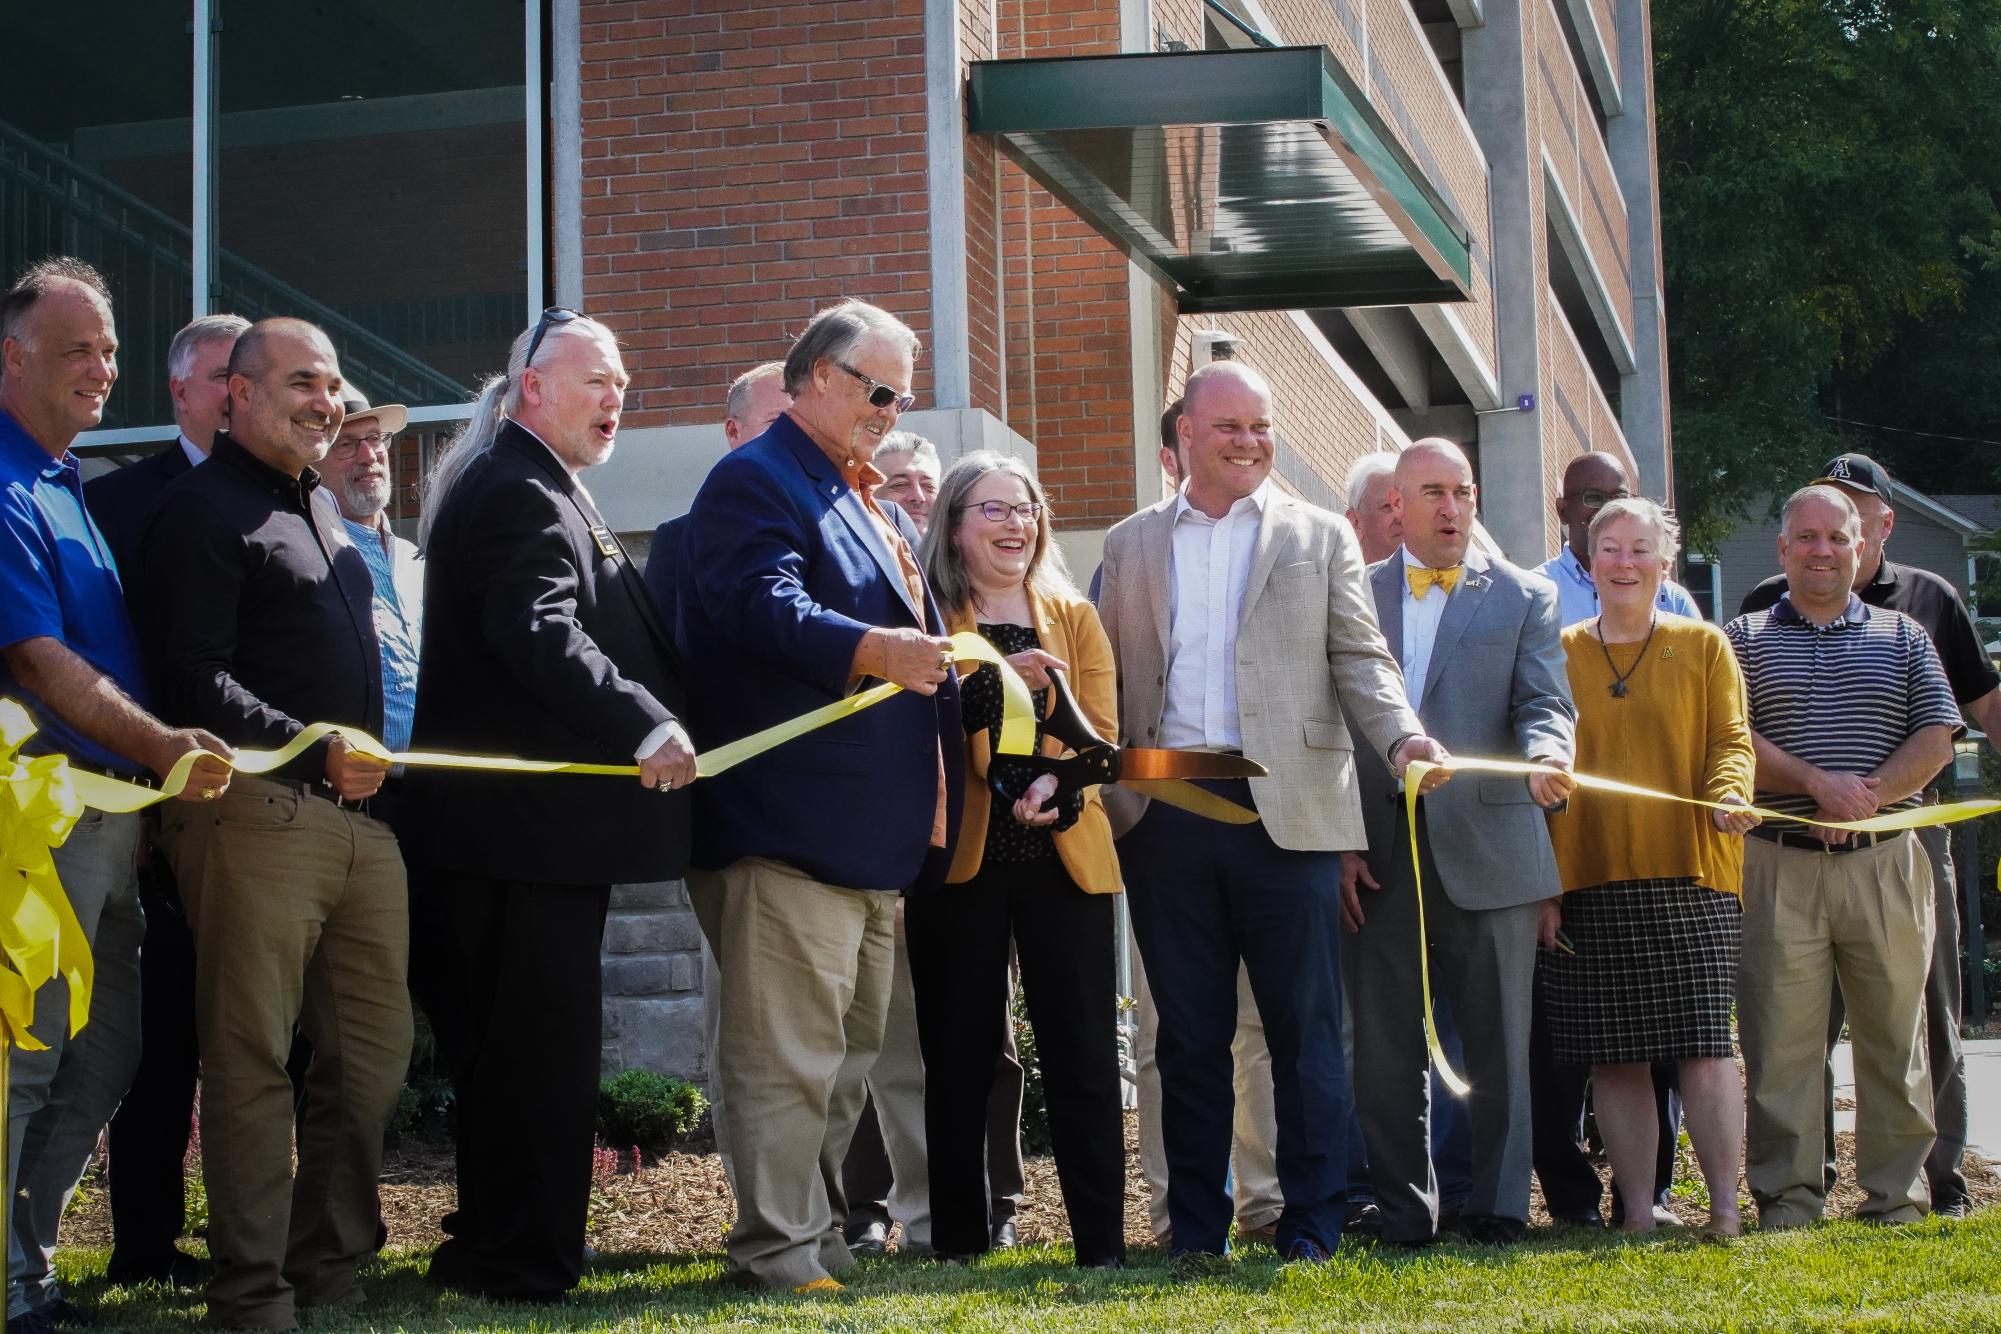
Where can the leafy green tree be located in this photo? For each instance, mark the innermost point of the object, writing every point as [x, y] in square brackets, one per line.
[1829, 183]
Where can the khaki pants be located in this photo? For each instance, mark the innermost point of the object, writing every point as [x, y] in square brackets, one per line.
[805, 975]
[1864, 919]
[1254, 1128]
[300, 917]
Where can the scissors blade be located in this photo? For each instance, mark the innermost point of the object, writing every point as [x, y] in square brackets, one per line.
[1145, 765]
[1193, 799]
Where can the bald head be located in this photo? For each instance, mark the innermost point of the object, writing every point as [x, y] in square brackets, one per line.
[1589, 483]
[1435, 494]
[1227, 445]
[285, 393]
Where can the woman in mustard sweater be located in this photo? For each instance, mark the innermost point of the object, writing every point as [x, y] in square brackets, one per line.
[1044, 877]
[1651, 903]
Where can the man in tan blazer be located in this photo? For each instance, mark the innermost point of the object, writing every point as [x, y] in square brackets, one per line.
[1239, 621]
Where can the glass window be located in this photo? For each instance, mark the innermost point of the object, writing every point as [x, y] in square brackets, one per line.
[95, 144]
[370, 170]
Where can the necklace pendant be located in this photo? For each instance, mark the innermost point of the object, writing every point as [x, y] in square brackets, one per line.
[1618, 690]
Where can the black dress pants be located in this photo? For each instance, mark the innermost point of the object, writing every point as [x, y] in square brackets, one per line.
[958, 939]
[149, 1134]
[524, 1056]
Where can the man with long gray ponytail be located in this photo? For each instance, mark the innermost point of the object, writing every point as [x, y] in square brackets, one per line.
[539, 641]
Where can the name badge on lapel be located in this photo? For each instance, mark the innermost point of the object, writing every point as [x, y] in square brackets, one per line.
[608, 544]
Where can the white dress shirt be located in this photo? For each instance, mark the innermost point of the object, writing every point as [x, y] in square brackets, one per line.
[1212, 563]
[194, 456]
[1420, 629]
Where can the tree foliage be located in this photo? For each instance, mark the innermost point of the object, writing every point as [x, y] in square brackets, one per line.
[1829, 183]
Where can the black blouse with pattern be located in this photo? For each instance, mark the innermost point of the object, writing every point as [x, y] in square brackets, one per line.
[981, 704]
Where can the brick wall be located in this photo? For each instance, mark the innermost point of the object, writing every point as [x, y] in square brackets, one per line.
[1066, 316]
[745, 165]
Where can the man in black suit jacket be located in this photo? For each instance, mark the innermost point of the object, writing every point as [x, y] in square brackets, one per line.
[198, 379]
[149, 1135]
[539, 641]
[755, 399]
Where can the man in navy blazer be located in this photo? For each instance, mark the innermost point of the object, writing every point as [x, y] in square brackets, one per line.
[796, 587]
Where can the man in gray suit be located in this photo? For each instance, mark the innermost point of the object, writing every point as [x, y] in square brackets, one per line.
[1477, 639]
[1239, 621]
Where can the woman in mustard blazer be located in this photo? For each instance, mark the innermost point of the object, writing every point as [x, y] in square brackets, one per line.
[1040, 876]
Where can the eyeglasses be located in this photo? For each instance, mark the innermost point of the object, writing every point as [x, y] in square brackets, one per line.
[375, 440]
[554, 315]
[880, 395]
[1598, 500]
[996, 511]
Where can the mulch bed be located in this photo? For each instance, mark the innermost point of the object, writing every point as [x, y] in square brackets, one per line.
[681, 1203]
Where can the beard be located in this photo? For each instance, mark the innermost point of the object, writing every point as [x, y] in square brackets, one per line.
[364, 496]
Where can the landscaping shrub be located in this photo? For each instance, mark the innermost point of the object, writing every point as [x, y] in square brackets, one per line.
[648, 1111]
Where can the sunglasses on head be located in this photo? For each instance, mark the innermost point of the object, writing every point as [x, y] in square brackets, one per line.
[551, 317]
[880, 395]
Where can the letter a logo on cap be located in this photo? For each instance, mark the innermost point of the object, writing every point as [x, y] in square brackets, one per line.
[1839, 472]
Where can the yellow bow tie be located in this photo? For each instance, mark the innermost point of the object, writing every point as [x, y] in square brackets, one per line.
[1422, 577]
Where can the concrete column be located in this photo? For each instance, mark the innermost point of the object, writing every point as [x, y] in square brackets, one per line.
[1497, 75]
[566, 150]
[1643, 395]
[945, 153]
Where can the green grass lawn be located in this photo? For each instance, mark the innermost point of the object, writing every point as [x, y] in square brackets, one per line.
[1933, 1276]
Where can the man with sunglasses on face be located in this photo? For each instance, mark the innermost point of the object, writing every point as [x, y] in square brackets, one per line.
[799, 585]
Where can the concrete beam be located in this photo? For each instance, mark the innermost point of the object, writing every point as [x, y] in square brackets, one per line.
[1399, 347]
[945, 158]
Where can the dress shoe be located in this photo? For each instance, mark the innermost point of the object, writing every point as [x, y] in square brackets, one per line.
[176, 1270]
[1305, 1250]
[1005, 1237]
[1362, 1219]
[871, 1239]
[65, 1314]
[1492, 1230]
[1258, 1236]
[1589, 1218]
[1197, 1264]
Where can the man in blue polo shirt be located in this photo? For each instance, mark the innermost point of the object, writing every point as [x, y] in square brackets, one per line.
[1588, 483]
[67, 653]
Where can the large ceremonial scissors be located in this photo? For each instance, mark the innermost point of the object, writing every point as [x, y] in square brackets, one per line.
[1160, 774]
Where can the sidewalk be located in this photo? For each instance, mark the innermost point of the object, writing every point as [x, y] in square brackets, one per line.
[1983, 1095]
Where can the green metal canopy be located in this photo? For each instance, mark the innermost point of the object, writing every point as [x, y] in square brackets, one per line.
[1245, 180]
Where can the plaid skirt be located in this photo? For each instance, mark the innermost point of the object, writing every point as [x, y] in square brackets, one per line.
[1653, 976]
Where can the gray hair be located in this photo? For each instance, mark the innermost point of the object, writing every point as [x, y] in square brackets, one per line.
[197, 334]
[1667, 530]
[499, 398]
[908, 442]
[832, 335]
[1821, 491]
[738, 402]
[37, 281]
[1048, 572]
[1366, 470]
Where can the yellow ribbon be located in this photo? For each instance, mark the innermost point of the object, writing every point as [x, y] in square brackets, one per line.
[1017, 738]
[39, 934]
[1917, 817]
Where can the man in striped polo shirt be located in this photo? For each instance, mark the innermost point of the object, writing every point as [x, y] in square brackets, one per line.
[1851, 715]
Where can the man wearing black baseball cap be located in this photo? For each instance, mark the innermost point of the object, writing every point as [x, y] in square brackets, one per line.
[1936, 605]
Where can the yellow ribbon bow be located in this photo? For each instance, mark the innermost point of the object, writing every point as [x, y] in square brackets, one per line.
[40, 937]
[1422, 577]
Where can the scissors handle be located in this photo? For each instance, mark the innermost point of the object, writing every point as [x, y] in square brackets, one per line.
[1095, 760]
